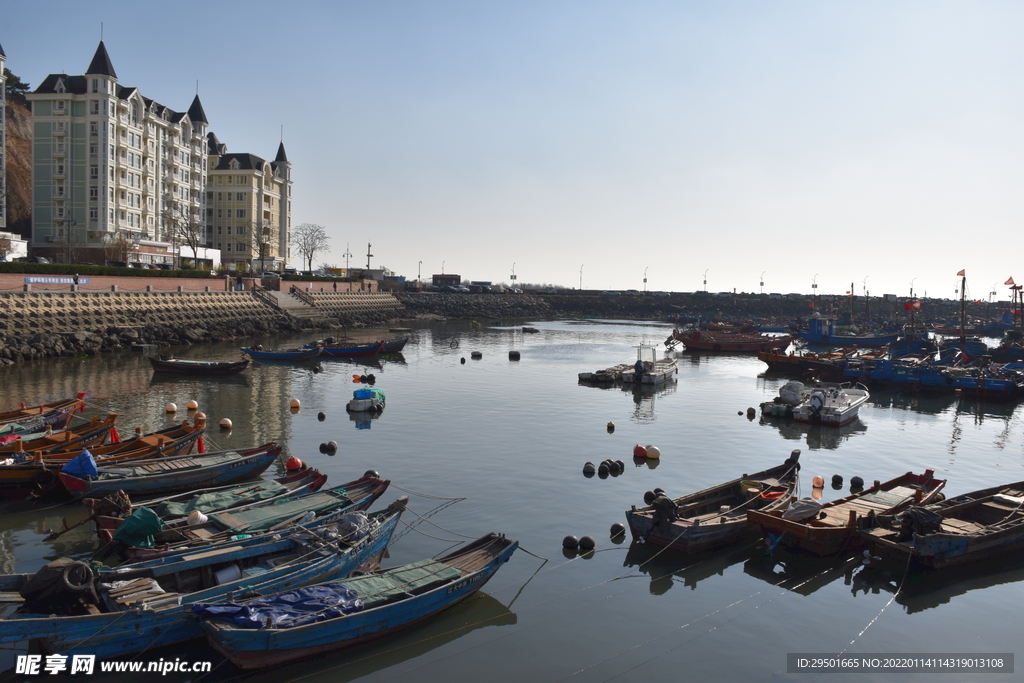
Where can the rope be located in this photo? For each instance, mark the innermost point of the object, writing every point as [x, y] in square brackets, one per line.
[424, 495]
[906, 570]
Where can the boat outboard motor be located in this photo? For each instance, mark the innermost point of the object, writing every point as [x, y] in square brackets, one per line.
[59, 587]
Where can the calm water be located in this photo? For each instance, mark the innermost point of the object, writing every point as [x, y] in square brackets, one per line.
[510, 439]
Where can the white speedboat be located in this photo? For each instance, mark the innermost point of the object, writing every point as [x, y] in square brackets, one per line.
[648, 368]
[833, 405]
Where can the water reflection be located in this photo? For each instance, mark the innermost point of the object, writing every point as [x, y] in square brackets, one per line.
[817, 436]
[667, 567]
[795, 572]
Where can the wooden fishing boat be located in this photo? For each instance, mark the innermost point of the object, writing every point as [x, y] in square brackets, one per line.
[114, 612]
[703, 340]
[56, 410]
[350, 350]
[823, 331]
[335, 616]
[174, 510]
[93, 433]
[394, 345]
[39, 475]
[198, 367]
[827, 367]
[180, 473]
[715, 516]
[281, 354]
[974, 527]
[826, 529]
[134, 541]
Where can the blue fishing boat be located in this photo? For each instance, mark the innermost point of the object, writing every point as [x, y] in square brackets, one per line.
[72, 608]
[167, 475]
[259, 353]
[823, 331]
[332, 350]
[305, 623]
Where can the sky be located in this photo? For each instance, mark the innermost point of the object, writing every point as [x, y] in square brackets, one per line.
[593, 143]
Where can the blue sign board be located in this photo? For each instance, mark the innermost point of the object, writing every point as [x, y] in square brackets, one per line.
[55, 280]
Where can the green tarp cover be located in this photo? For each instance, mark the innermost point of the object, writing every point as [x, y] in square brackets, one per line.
[221, 500]
[262, 518]
[138, 528]
[376, 589]
[378, 394]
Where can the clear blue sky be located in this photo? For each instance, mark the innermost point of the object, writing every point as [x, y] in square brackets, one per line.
[877, 143]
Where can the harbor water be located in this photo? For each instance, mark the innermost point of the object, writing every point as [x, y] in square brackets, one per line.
[493, 444]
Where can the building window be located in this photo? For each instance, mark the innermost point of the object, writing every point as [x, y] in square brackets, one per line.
[240, 197]
[239, 247]
[240, 230]
[94, 215]
[220, 231]
[240, 213]
[94, 171]
[94, 193]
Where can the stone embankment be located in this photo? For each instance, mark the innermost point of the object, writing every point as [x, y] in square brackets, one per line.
[49, 324]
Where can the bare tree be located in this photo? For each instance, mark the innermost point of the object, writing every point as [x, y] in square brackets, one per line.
[118, 247]
[185, 226]
[310, 238]
[262, 237]
[67, 246]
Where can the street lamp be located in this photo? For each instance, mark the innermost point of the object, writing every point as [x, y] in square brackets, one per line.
[706, 280]
[442, 267]
[912, 288]
[513, 275]
[762, 281]
[419, 271]
[814, 287]
[581, 277]
[645, 279]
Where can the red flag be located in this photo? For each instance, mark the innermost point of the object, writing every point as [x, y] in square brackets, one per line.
[1009, 282]
[917, 304]
[908, 306]
[114, 436]
[961, 274]
[848, 292]
[810, 304]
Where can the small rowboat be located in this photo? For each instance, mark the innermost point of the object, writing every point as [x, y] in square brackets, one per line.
[394, 345]
[38, 476]
[56, 411]
[181, 473]
[84, 436]
[716, 516]
[826, 529]
[974, 527]
[108, 513]
[198, 367]
[350, 350]
[338, 615]
[282, 354]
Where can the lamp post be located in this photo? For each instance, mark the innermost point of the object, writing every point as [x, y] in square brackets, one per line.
[581, 277]
[912, 288]
[442, 267]
[762, 281]
[706, 280]
[347, 254]
[814, 288]
[645, 279]
[419, 271]
[513, 278]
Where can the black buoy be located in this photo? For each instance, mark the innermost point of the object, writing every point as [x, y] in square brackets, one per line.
[463, 360]
[649, 497]
[323, 448]
[370, 379]
[513, 355]
[332, 447]
[622, 465]
[611, 427]
[588, 468]
[602, 468]
[659, 492]
[751, 413]
[617, 530]
[570, 543]
[587, 543]
[372, 473]
[321, 417]
[856, 482]
[837, 480]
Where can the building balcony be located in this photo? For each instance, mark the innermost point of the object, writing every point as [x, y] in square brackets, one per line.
[58, 133]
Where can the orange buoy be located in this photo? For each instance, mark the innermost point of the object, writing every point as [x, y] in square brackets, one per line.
[818, 482]
[293, 464]
[639, 451]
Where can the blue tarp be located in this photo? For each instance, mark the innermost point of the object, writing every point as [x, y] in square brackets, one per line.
[286, 610]
[82, 466]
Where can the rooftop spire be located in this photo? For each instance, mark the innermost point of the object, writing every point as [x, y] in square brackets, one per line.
[100, 63]
[196, 113]
[281, 156]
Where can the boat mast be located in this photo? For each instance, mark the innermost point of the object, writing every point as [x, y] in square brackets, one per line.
[963, 313]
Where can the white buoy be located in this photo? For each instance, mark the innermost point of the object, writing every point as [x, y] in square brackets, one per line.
[192, 405]
[171, 408]
[653, 452]
[295, 403]
[225, 423]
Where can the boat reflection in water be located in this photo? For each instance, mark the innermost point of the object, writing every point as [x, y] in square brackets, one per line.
[797, 572]
[668, 567]
[363, 418]
[817, 436]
